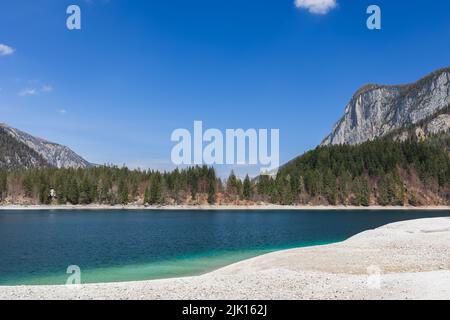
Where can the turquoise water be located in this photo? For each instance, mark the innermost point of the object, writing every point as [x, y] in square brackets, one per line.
[184, 266]
[36, 247]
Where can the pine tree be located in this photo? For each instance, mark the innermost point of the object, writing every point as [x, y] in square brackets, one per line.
[362, 192]
[212, 192]
[73, 191]
[85, 192]
[123, 194]
[61, 190]
[344, 187]
[330, 187]
[3, 184]
[284, 190]
[104, 187]
[44, 194]
[384, 191]
[247, 188]
[147, 196]
[28, 186]
[156, 196]
[232, 188]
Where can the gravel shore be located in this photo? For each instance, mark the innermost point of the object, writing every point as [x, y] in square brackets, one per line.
[404, 260]
[259, 207]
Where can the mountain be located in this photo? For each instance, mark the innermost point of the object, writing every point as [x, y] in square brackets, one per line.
[20, 149]
[14, 154]
[391, 147]
[377, 110]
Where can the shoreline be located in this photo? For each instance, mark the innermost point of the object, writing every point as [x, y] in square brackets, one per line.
[264, 207]
[402, 260]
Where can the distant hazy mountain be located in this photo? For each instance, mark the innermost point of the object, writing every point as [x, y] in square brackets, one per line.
[20, 149]
[377, 110]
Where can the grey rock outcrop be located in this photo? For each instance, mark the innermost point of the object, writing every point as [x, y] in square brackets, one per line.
[376, 110]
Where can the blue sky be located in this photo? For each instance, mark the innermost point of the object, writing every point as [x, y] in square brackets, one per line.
[115, 90]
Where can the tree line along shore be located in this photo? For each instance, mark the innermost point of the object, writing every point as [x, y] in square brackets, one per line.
[380, 172]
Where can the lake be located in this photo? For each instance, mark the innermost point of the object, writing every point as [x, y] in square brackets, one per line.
[36, 247]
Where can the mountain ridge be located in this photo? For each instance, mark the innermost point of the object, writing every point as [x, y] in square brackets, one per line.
[52, 154]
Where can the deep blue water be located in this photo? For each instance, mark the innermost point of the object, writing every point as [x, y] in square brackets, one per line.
[36, 247]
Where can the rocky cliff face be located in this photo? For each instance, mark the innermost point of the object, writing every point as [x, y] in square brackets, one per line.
[45, 153]
[376, 110]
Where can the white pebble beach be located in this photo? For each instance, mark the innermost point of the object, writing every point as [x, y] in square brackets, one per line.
[403, 260]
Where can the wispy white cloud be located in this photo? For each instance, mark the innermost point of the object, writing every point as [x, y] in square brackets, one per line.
[36, 90]
[5, 50]
[316, 6]
[28, 92]
[62, 111]
[47, 88]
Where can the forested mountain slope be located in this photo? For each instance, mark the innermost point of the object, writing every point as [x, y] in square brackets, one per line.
[14, 154]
